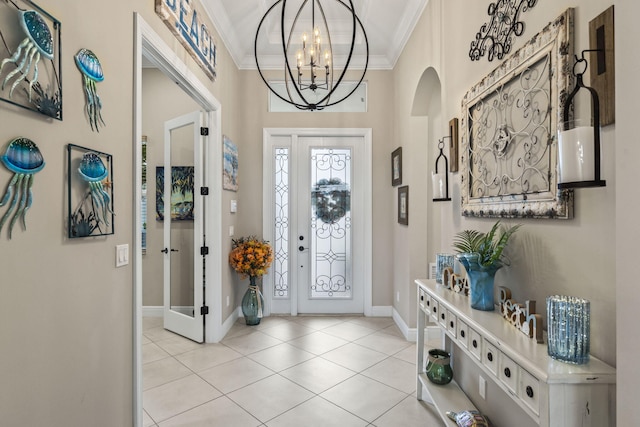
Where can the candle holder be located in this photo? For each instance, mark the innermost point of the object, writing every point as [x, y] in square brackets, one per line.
[440, 181]
[579, 146]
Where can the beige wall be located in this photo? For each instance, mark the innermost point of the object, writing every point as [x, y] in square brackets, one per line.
[574, 257]
[66, 312]
[66, 322]
[253, 97]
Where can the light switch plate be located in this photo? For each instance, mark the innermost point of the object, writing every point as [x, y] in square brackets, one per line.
[234, 206]
[122, 255]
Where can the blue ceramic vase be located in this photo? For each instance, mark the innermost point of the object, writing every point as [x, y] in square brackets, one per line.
[480, 279]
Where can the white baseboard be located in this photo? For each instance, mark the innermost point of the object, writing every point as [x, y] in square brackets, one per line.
[381, 311]
[431, 333]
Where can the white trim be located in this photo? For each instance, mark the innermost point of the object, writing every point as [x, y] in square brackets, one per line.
[381, 311]
[148, 43]
[431, 333]
[153, 311]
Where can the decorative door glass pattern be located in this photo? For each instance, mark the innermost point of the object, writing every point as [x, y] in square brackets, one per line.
[281, 225]
[330, 240]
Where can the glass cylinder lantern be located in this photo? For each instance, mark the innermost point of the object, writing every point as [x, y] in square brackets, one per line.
[568, 328]
[440, 180]
[579, 142]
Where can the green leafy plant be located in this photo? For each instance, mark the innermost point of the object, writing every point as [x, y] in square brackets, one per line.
[489, 246]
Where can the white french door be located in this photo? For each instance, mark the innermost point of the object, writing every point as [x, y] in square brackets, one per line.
[317, 216]
[184, 165]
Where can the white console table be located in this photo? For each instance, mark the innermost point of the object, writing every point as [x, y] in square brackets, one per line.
[552, 393]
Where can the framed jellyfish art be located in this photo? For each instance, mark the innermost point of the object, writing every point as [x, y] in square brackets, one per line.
[90, 192]
[30, 60]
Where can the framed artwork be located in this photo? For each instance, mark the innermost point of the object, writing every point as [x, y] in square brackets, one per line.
[230, 166]
[509, 131]
[181, 204]
[30, 45]
[90, 192]
[396, 167]
[403, 205]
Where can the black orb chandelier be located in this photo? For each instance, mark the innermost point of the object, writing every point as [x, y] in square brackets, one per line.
[308, 53]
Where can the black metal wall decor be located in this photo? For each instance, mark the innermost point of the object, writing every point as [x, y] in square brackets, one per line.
[30, 44]
[90, 192]
[495, 38]
[579, 143]
[441, 179]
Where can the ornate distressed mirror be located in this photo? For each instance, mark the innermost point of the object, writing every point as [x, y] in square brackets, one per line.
[509, 127]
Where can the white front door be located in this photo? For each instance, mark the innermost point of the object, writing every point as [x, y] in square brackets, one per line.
[184, 226]
[317, 216]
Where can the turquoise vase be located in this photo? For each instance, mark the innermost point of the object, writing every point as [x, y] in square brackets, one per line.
[252, 303]
[480, 279]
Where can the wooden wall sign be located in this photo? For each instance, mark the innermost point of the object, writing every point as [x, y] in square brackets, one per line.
[189, 22]
[522, 316]
[602, 64]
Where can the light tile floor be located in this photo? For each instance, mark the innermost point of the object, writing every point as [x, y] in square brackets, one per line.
[285, 372]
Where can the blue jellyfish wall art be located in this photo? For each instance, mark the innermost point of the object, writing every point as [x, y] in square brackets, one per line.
[30, 58]
[94, 172]
[91, 70]
[38, 42]
[24, 159]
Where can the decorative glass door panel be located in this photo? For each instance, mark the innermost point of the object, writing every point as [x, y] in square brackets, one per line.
[328, 198]
[330, 233]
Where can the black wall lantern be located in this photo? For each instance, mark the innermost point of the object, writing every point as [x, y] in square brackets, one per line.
[440, 180]
[579, 143]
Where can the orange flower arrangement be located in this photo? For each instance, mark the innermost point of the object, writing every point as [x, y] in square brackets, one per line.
[250, 256]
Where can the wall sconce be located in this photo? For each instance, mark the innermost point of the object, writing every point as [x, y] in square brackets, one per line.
[440, 180]
[579, 145]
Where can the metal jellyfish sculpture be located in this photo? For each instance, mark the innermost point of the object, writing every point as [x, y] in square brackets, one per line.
[24, 159]
[38, 42]
[91, 70]
[93, 170]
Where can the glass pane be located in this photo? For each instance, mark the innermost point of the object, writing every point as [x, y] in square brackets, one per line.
[182, 230]
[330, 244]
[281, 215]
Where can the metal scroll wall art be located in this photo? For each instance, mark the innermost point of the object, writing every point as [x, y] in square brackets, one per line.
[509, 123]
[495, 38]
[24, 159]
[30, 52]
[90, 192]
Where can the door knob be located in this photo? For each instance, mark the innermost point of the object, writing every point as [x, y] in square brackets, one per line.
[174, 250]
[165, 251]
[301, 248]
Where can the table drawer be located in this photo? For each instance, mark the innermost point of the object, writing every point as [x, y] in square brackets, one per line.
[508, 372]
[452, 322]
[490, 356]
[424, 297]
[475, 343]
[462, 333]
[529, 390]
[442, 316]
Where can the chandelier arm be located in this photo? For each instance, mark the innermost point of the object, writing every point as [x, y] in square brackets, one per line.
[285, 50]
[366, 66]
[255, 52]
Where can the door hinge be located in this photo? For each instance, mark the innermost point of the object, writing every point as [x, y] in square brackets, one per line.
[204, 310]
[204, 250]
[204, 191]
[204, 131]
